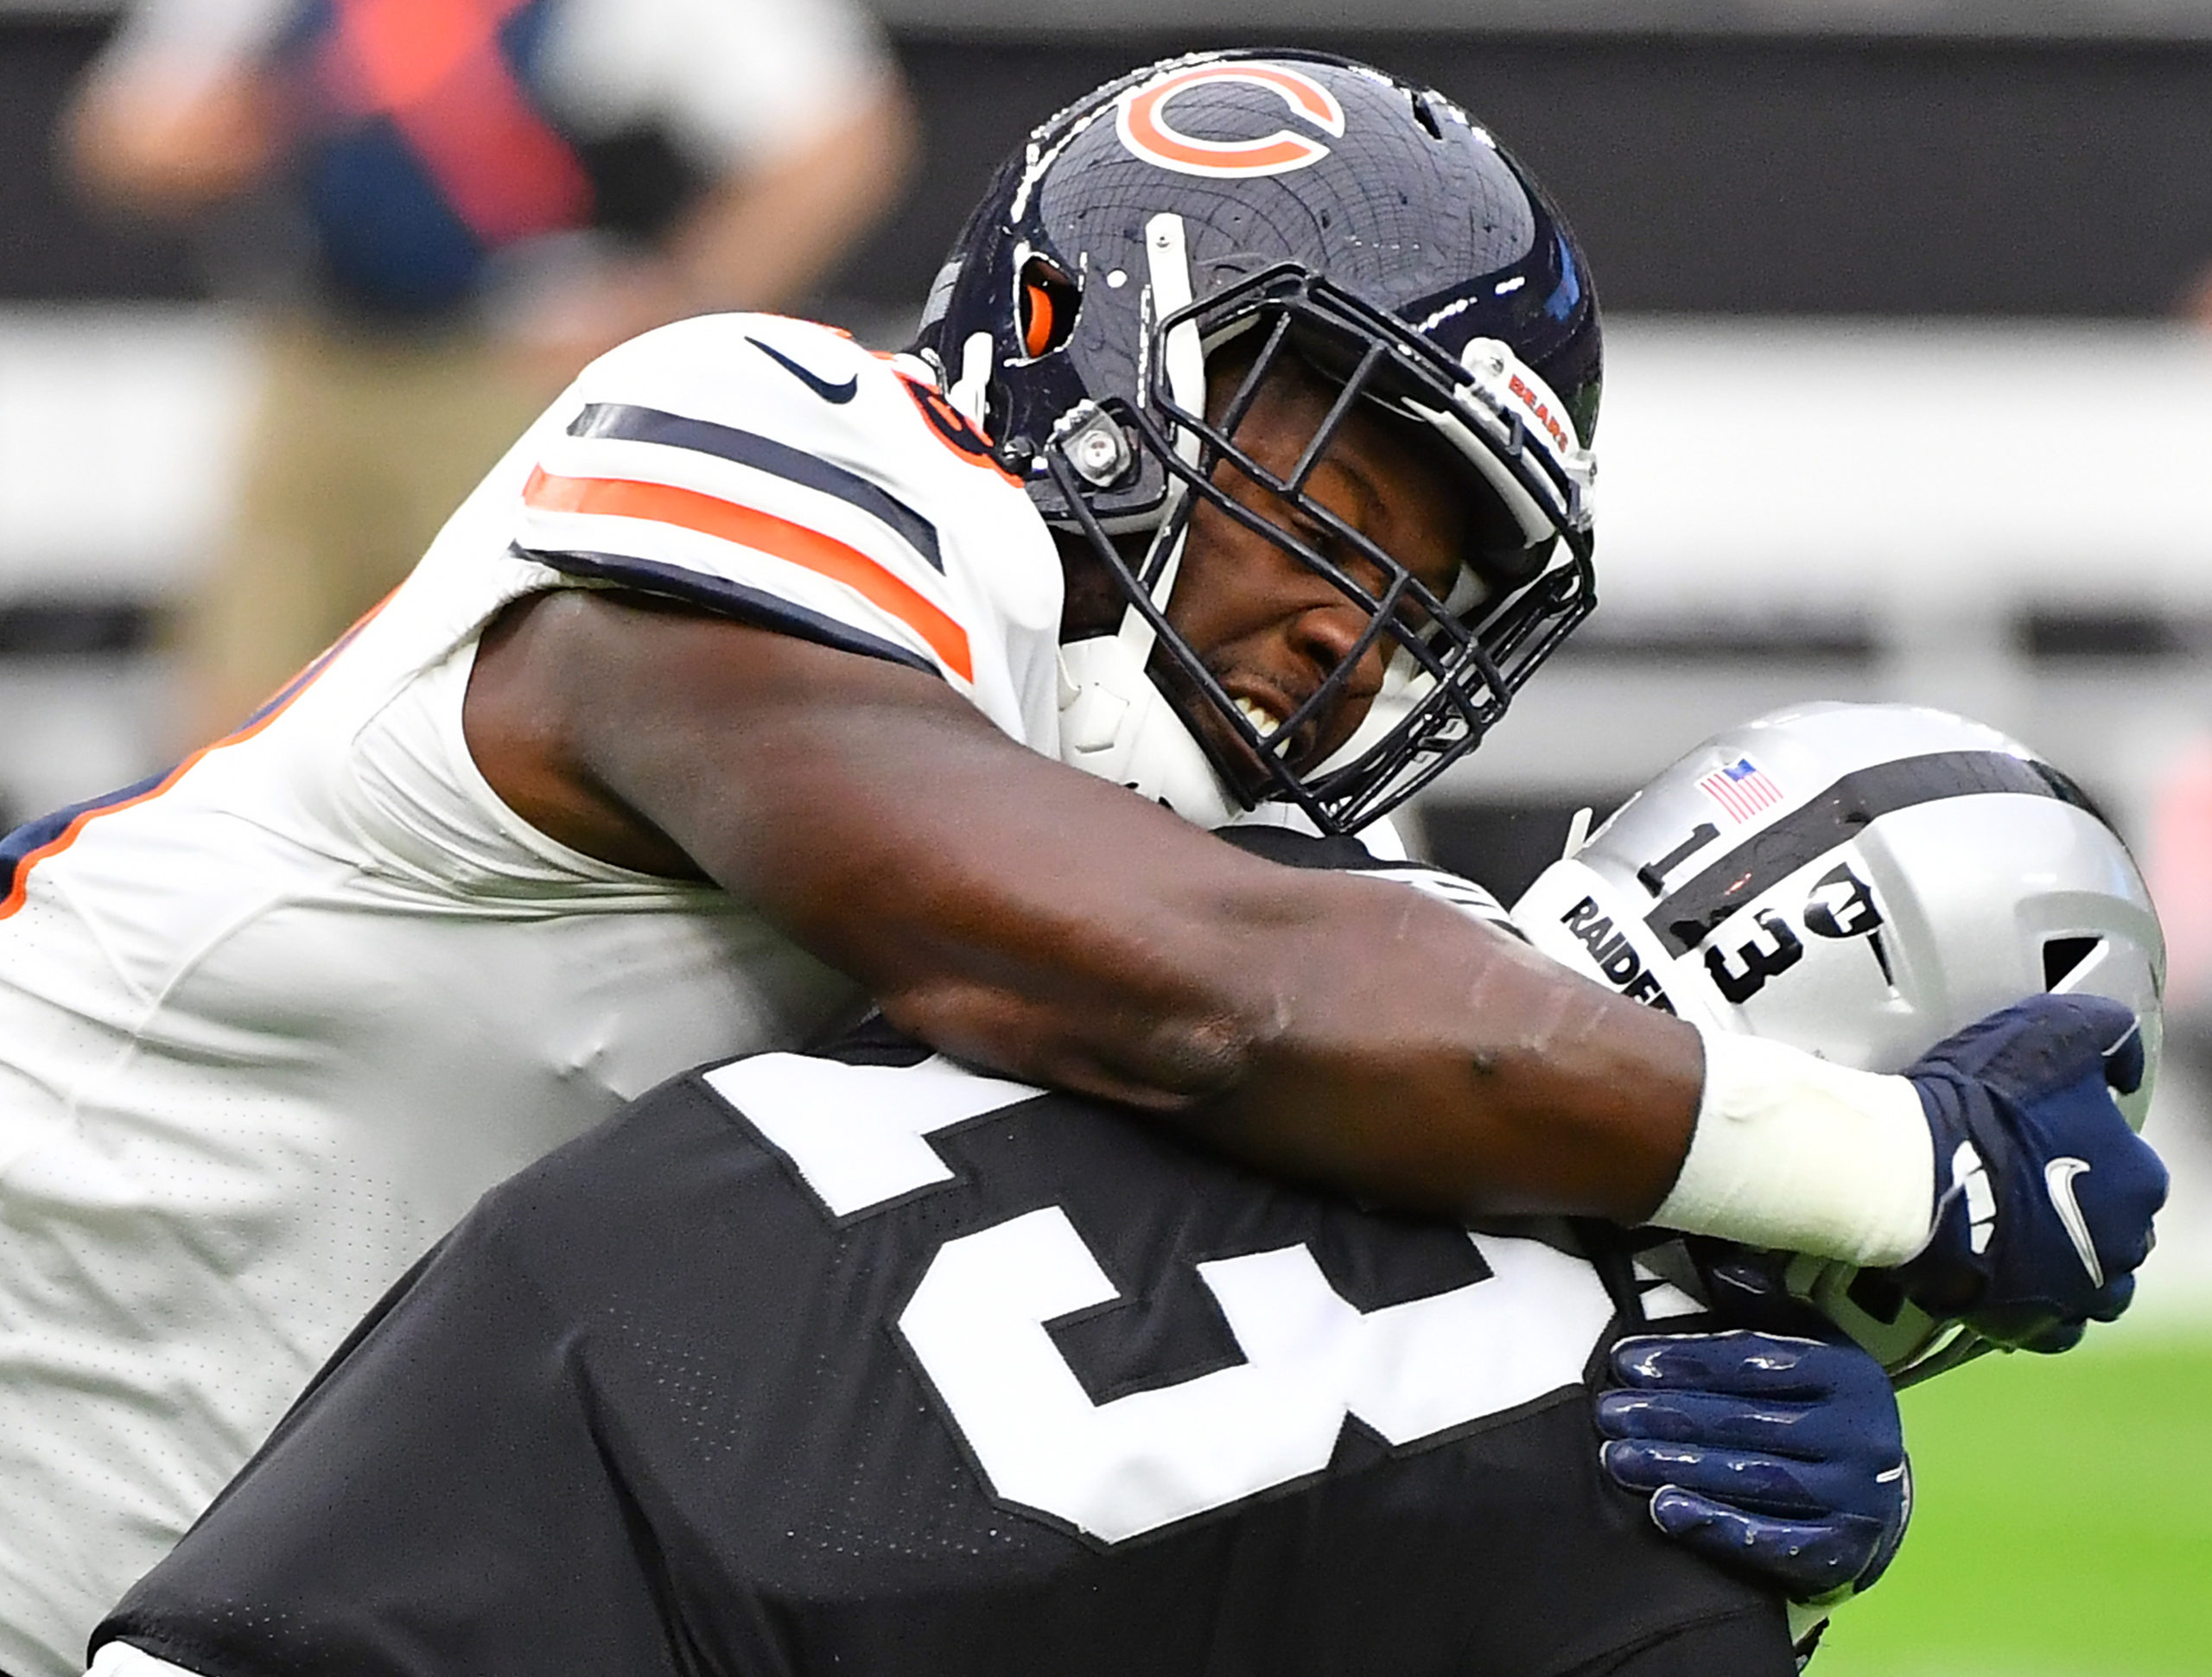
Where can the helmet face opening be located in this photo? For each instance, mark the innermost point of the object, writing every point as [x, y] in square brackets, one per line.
[1452, 658]
[1233, 214]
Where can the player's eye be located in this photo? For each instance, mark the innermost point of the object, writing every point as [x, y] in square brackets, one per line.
[1333, 547]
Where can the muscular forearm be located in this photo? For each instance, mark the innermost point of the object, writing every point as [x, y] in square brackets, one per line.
[1032, 918]
[1485, 1085]
[1340, 1028]
[1337, 1027]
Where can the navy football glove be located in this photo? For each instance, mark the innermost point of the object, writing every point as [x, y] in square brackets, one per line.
[1779, 1457]
[2044, 1196]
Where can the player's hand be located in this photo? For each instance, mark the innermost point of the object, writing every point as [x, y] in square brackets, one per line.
[2044, 1196]
[1775, 1456]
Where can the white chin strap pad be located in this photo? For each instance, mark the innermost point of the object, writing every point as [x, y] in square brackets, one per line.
[1116, 725]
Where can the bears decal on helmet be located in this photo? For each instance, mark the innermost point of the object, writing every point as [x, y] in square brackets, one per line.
[1142, 122]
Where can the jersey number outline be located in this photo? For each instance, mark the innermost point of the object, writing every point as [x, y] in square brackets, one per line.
[977, 1321]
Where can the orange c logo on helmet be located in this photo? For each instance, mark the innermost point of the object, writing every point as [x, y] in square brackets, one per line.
[1142, 122]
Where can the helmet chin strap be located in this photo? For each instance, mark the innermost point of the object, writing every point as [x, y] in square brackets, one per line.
[1114, 721]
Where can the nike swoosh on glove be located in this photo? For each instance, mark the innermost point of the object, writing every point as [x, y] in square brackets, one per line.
[2044, 1196]
[1779, 1457]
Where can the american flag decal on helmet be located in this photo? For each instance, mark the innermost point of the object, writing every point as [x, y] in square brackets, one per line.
[1742, 789]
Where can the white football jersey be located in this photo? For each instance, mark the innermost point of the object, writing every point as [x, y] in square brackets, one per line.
[269, 1025]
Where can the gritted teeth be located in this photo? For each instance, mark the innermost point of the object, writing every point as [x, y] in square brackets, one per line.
[1264, 721]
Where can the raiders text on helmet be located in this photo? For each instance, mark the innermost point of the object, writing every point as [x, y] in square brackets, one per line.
[1300, 206]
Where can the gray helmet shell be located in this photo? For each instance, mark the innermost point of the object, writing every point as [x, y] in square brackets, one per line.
[1859, 881]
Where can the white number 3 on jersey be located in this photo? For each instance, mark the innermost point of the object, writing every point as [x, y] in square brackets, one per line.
[977, 1323]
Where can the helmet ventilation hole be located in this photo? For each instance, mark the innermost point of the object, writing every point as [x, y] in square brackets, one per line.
[1882, 958]
[2064, 957]
[1878, 1294]
[1425, 117]
[1048, 303]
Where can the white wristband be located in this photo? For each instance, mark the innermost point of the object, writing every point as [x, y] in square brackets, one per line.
[1793, 1153]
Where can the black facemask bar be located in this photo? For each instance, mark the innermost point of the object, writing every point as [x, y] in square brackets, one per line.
[1746, 1288]
[1471, 662]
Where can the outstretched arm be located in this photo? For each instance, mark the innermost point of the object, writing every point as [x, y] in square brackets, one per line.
[1024, 916]
[1029, 917]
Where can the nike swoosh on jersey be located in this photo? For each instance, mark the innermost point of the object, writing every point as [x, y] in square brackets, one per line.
[2058, 1178]
[814, 381]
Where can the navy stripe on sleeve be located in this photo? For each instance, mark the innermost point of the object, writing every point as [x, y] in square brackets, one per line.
[726, 599]
[37, 834]
[634, 424]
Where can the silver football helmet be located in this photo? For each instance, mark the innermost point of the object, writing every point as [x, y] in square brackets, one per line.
[1859, 881]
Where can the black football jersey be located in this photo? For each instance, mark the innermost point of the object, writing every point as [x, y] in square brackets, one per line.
[864, 1363]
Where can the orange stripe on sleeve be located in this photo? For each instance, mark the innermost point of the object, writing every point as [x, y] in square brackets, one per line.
[710, 515]
[20, 891]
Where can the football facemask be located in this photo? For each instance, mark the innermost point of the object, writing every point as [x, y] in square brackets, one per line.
[1105, 276]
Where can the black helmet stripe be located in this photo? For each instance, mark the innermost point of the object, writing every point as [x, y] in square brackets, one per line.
[1688, 917]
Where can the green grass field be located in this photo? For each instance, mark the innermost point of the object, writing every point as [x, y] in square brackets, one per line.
[2064, 1528]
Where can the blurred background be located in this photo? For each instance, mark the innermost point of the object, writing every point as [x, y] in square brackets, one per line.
[1909, 396]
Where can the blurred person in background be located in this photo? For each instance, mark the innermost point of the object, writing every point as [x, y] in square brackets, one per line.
[448, 207]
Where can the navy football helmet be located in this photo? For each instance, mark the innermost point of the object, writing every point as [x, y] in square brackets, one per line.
[1305, 206]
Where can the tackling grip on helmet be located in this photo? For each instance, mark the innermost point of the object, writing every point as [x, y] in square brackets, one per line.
[1859, 881]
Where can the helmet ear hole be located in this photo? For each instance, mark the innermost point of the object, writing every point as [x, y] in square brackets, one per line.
[1509, 565]
[1497, 548]
[1046, 302]
[2064, 957]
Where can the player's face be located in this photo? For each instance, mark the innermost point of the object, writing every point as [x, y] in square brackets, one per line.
[1267, 626]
